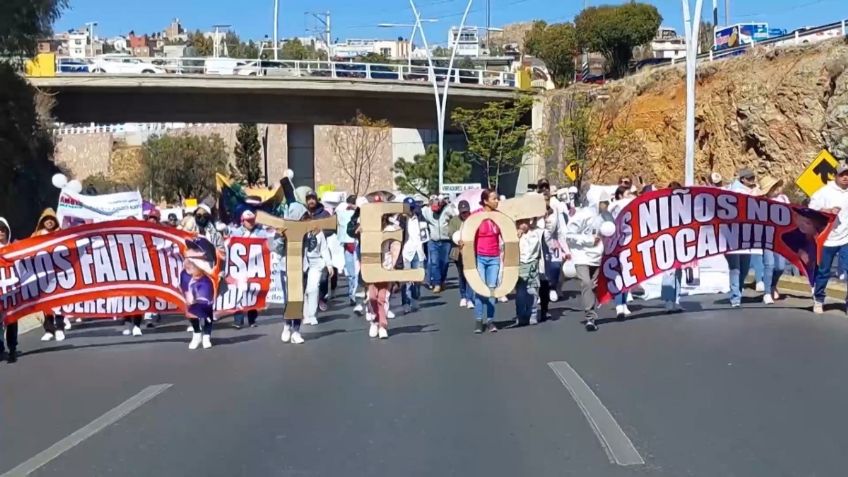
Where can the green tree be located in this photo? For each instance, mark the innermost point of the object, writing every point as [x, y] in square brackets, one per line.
[614, 30]
[293, 50]
[705, 37]
[203, 46]
[441, 52]
[372, 57]
[26, 145]
[24, 22]
[100, 183]
[421, 175]
[496, 136]
[184, 166]
[556, 45]
[248, 153]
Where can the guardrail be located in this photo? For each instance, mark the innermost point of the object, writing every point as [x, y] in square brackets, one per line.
[820, 33]
[125, 64]
[119, 129]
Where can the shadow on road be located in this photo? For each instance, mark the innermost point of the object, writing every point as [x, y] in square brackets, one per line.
[412, 329]
[216, 341]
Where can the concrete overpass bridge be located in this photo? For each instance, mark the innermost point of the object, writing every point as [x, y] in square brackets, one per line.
[98, 98]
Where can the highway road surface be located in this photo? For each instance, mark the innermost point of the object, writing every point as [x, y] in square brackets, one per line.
[710, 392]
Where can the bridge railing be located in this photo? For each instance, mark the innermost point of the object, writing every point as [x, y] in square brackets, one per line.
[127, 65]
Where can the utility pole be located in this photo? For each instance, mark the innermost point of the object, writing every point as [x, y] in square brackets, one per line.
[216, 41]
[90, 27]
[276, 25]
[726, 12]
[488, 26]
[691, 25]
[715, 13]
[324, 19]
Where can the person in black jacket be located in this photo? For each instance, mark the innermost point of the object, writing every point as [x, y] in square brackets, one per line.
[10, 329]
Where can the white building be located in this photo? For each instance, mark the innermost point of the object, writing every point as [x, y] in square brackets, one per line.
[77, 45]
[467, 42]
[667, 44]
[393, 49]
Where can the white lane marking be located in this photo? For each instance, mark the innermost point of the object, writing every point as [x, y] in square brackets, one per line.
[615, 442]
[95, 426]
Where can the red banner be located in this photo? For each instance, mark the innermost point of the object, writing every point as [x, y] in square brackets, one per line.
[115, 268]
[669, 228]
[248, 276]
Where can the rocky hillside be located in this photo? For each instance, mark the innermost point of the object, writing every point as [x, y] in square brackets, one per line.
[772, 110]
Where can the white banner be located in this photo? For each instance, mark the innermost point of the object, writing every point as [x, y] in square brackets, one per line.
[277, 293]
[77, 209]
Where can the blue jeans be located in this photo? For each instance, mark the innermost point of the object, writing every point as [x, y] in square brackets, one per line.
[524, 300]
[465, 290]
[352, 276]
[438, 260]
[489, 268]
[842, 261]
[773, 266]
[620, 299]
[759, 267]
[670, 290]
[553, 270]
[823, 271]
[739, 264]
[411, 291]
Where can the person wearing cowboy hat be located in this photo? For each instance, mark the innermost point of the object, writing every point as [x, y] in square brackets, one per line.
[773, 263]
[199, 290]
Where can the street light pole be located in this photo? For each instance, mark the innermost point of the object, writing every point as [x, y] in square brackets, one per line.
[441, 103]
[691, 27]
[276, 25]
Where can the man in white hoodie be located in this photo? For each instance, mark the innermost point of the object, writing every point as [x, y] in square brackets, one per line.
[583, 234]
[833, 199]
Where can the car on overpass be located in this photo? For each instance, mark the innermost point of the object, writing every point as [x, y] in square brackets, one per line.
[123, 64]
[266, 68]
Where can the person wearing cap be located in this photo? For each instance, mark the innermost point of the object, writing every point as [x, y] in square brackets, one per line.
[437, 217]
[412, 252]
[773, 263]
[739, 262]
[248, 229]
[583, 234]
[716, 180]
[54, 325]
[832, 199]
[466, 293]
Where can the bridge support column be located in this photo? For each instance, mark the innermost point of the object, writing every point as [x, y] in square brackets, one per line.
[301, 153]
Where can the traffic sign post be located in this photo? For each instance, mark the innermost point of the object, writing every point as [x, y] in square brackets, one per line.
[818, 173]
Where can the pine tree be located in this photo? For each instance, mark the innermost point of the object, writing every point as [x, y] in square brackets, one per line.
[248, 152]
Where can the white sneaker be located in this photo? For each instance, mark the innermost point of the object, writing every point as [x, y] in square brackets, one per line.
[553, 296]
[767, 299]
[60, 335]
[67, 324]
[190, 329]
[503, 299]
[373, 330]
[534, 321]
[126, 332]
[207, 341]
[47, 337]
[296, 338]
[619, 309]
[370, 317]
[383, 333]
[760, 286]
[463, 303]
[470, 304]
[390, 315]
[357, 309]
[78, 320]
[286, 336]
[626, 311]
[195, 341]
[312, 321]
[136, 331]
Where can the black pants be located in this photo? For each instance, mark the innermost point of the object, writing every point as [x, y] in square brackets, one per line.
[53, 323]
[206, 328]
[544, 299]
[11, 333]
[326, 284]
[135, 319]
[238, 318]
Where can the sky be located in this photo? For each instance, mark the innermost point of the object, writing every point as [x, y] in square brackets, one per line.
[252, 19]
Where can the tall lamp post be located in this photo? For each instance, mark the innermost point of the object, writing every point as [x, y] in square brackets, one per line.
[441, 103]
[692, 27]
[276, 26]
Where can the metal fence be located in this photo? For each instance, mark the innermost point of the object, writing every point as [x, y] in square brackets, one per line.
[120, 129]
[130, 65]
